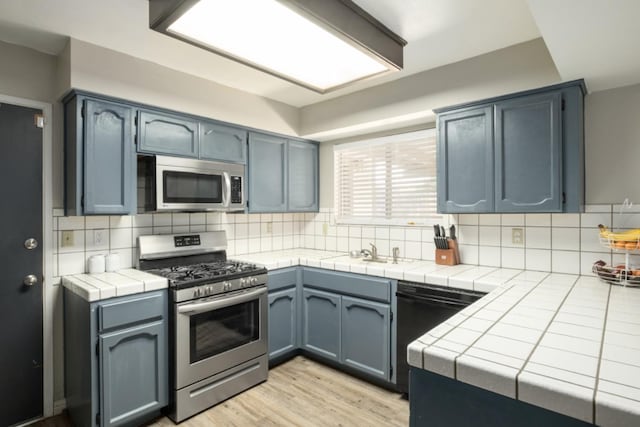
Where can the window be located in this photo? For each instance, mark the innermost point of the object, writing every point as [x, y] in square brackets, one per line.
[390, 180]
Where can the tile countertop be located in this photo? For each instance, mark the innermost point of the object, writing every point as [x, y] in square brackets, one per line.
[462, 276]
[96, 287]
[567, 343]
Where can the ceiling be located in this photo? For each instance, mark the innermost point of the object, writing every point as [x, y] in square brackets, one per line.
[578, 33]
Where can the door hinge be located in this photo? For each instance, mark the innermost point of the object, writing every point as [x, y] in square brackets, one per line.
[98, 419]
[38, 120]
[562, 105]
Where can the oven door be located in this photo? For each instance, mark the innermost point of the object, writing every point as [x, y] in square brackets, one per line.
[215, 334]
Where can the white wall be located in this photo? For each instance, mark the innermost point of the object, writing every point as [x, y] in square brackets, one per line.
[612, 145]
[108, 72]
[410, 100]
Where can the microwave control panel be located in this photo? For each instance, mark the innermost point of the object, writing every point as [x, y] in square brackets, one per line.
[236, 189]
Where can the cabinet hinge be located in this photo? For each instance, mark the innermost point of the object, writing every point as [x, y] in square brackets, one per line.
[82, 202]
[562, 105]
[564, 197]
[97, 350]
[98, 419]
[82, 111]
[390, 371]
[391, 315]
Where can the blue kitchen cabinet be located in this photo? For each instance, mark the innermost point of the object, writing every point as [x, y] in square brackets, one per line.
[347, 319]
[222, 143]
[165, 133]
[302, 177]
[522, 152]
[283, 174]
[267, 173]
[115, 357]
[100, 166]
[528, 143]
[133, 372]
[366, 336]
[321, 322]
[283, 313]
[465, 161]
[282, 322]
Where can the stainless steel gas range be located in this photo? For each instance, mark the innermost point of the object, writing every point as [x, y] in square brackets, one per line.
[218, 319]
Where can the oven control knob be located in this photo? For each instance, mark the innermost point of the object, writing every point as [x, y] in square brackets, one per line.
[254, 281]
[226, 286]
[209, 290]
[243, 283]
[196, 293]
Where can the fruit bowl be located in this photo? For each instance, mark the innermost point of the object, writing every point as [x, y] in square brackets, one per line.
[620, 274]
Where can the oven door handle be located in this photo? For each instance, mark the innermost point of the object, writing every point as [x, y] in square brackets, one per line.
[199, 307]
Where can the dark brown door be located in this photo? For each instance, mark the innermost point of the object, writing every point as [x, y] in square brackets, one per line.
[20, 265]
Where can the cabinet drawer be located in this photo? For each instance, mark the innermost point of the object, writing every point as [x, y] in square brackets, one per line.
[349, 284]
[132, 309]
[284, 278]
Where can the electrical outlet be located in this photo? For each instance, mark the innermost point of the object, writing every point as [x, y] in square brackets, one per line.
[98, 237]
[517, 236]
[325, 229]
[66, 238]
[269, 227]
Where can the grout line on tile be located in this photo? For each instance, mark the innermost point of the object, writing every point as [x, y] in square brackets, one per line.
[604, 331]
[544, 332]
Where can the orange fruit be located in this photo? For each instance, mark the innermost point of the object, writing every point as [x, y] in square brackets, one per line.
[619, 245]
[631, 245]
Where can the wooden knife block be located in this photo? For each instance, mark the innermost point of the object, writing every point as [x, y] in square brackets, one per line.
[449, 256]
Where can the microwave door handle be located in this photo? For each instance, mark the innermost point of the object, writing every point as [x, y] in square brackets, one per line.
[199, 307]
[226, 191]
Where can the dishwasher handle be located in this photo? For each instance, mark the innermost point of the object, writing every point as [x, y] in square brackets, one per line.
[434, 300]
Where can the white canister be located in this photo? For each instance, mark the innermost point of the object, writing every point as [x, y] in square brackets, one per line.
[96, 264]
[112, 262]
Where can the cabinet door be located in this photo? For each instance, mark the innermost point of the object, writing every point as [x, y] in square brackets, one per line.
[303, 176]
[161, 133]
[267, 173]
[465, 161]
[529, 154]
[282, 322]
[109, 159]
[366, 342]
[223, 143]
[133, 373]
[321, 323]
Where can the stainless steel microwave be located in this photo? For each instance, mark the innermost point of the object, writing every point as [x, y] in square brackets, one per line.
[181, 184]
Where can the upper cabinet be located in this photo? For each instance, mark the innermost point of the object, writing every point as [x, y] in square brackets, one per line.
[518, 153]
[161, 133]
[100, 174]
[224, 143]
[283, 174]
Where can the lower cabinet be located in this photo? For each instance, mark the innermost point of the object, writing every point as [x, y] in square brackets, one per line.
[116, 368]
[343, 318]
[366, 336]
[321, 323]
[283, 324]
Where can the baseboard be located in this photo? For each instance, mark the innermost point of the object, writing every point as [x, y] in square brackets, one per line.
[59, 406]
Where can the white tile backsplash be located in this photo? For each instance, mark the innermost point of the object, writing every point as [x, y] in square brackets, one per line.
[564, 243]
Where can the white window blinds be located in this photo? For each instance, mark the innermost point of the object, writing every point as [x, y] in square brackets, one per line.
[387, 180]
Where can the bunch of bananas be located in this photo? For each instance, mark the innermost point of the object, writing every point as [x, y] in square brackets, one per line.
[625, 236]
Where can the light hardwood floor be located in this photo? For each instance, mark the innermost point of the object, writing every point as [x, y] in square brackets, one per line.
[299, 392]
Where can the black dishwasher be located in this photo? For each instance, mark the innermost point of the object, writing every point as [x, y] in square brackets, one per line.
[422, 307]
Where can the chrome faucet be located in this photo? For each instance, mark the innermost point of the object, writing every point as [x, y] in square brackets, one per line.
[372, 254]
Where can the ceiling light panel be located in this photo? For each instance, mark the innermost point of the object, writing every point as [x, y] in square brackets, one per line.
[269, 35]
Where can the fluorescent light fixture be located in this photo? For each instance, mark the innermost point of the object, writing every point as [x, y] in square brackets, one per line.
[290, 39]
